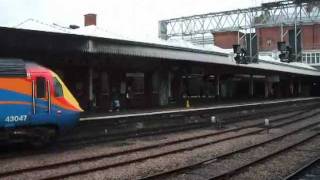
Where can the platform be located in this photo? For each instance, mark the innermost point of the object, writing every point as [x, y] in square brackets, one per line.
[148, 122]
[171, 110]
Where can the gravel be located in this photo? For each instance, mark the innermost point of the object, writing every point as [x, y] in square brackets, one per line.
[234, 161]
[172, 161]
[131, 156]
[137, 169]
[49, 158]
[284, 164]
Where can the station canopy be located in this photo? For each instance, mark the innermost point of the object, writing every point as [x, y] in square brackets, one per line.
[36, 36]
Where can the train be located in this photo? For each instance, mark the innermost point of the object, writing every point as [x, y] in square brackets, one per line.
[35, 104]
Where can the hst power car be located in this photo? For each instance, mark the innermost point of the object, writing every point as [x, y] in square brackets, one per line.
[34, 102]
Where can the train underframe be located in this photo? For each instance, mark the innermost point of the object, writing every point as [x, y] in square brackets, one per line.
[35, 135]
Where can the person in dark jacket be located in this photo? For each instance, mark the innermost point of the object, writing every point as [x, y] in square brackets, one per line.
[115, 100]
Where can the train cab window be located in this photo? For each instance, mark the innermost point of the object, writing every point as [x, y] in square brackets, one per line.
[58, 92]
[41, 87]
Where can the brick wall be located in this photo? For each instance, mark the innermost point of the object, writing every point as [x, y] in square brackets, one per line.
[226, 39]
[311, 37]
[268, 37]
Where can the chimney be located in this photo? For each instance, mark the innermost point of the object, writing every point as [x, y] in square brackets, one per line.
[90, 19]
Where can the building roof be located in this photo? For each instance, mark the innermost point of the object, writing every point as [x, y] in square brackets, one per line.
[92, 39]
[95, 31]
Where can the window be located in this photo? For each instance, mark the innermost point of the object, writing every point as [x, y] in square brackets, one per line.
[41, 87]
[269, 42]
[308, 58]
[313, 58]
[304, 58]
[58, 92]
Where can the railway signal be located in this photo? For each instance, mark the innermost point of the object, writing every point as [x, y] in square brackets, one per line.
[241, 54]
[286, 52]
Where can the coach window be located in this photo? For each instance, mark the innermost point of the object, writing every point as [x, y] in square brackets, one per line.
[41, 87]
[58, 92]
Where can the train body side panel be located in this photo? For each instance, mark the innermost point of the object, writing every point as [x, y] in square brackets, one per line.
[15, 102]
[16, 109]
[38, 100]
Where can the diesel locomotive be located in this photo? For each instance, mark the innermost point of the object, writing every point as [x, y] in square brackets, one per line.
[35, 104]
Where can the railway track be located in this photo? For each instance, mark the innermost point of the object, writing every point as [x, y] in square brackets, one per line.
[276, 124]
[311, 170]
[228, 155]
[83, 142]
[89, 141]
[265, 157]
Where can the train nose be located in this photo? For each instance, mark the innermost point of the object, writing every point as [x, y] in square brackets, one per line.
[79, 109]
[70, 120]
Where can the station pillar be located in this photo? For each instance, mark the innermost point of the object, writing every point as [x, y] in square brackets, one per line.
[266, 88]
[251, 86]
[91, 96]
[176, 85]
[217, 83]
[291, 87]
[148, 89]
[163, 87]
[268, 91]
[299, 87]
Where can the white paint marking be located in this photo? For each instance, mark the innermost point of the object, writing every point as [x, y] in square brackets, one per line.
[194, 109]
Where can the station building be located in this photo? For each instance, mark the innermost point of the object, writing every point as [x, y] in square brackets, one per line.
[96, 64]
[308, 40]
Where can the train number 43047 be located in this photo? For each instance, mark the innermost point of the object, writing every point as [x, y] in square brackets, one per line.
[19, 118]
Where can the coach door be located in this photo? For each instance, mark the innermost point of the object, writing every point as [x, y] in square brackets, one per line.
[41, 99]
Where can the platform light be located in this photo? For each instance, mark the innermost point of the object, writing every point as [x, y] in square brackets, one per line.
[267, 124]
[213, 119]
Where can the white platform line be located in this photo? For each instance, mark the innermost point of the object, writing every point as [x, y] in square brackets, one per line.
[195, 109]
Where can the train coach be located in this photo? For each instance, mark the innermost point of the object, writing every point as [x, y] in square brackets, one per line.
[34, 103]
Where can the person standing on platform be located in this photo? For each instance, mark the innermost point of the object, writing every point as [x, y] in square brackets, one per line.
[129, 96]
[115, 100]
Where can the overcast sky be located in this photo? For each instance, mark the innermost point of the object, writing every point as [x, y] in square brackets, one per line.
[127, 17]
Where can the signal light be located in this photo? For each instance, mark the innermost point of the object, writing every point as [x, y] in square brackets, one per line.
[241, 54]
[285, 52]
[237, 58]
[236, 49]
[282, 56]
[282, 46]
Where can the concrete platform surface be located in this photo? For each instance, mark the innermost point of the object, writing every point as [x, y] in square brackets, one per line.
[198, 107]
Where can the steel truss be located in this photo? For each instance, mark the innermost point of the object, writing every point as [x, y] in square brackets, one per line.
[199, 28]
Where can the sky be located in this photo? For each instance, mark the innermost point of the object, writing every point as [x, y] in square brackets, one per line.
[135, 18]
